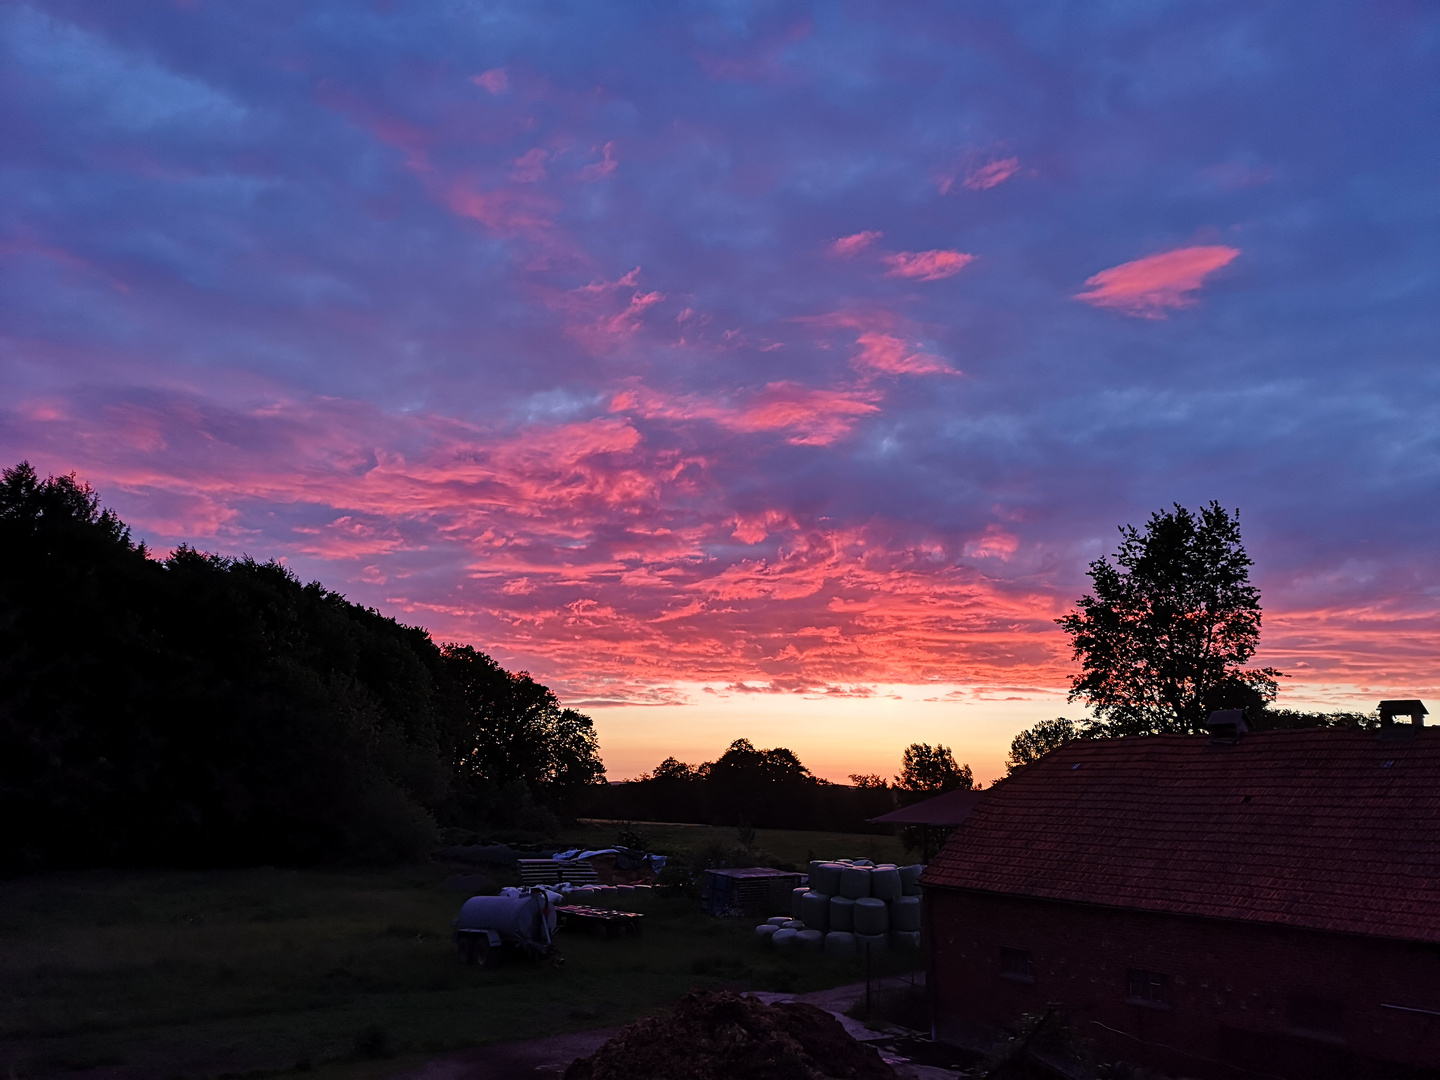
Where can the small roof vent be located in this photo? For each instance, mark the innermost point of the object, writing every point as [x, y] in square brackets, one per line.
[1393, 707]
[1226, 726]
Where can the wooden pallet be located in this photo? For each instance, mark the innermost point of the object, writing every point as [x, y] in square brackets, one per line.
[602, 922]
[549, 872]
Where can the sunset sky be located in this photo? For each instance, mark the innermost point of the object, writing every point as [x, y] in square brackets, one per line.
[762, 370]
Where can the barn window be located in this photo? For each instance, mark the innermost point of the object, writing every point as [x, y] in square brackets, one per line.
[1017, 964]
[1147, 988]
[1316, 1016]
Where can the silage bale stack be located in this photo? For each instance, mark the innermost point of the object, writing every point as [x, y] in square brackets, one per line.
[852, 905]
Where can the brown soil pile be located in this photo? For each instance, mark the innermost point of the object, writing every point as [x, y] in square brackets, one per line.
[723, 1036]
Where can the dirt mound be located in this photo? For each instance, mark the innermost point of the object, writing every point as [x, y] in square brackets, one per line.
[723, 1036]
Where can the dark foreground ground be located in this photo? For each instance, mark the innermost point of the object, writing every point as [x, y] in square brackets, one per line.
[164, 974]
[547, 1058]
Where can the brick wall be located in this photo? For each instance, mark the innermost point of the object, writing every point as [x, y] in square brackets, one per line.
[1213, 995]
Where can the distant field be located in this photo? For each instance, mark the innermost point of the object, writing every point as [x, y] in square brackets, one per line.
[786, 845]
[203, 973]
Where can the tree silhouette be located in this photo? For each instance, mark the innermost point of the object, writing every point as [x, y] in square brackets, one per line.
[207, 710]
[1034, 743]
[1170, 625]
[931, 770]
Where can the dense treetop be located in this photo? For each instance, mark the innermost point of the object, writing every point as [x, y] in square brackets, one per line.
[1164, 638]
[200, 709]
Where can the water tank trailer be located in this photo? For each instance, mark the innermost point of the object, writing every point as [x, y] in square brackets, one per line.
[520, 919]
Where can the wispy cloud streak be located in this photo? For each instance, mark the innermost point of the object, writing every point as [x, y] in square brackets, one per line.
[1147, 287]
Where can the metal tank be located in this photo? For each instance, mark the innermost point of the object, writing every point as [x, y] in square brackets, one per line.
[521, 919]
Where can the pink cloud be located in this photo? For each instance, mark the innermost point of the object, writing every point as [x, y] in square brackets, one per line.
[996, 543]
[809, 416]
[882, 348]
[816, 417]
[411, 139]
[603, 556]
[607, 164]
[24, 245]
[888, 353]
[594, 317]
[42, 409]
[625, 281]
[753, 528]
[764, 62]
[926, 265]
[848, 246]
[628, 321]
[503, 209]
[530, 166]
[992, 174]
[1146, 287]
[495, 80]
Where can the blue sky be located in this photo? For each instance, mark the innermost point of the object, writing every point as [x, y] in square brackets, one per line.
[688, 355]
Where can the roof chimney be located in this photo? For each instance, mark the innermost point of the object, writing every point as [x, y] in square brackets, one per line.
[1411, 707]
[1226, 726]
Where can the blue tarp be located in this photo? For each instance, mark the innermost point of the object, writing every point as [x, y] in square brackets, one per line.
[625, 858]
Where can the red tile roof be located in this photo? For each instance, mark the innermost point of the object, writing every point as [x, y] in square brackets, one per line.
[1333, 830]
[951, 808]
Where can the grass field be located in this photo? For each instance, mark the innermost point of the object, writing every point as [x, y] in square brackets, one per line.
[265, 970]
[785, 845]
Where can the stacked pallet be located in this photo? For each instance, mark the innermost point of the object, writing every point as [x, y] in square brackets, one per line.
[850, 906]
[550, 872]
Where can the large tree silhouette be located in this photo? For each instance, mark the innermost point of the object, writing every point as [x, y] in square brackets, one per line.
[930, 770]
[1170, 626]
[207, 710]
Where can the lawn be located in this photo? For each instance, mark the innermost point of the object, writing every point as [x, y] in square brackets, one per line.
[783, 845]
[237, 971]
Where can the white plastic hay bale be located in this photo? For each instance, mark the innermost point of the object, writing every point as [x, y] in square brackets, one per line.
[580, 896]
[778, 920]
[842, 913]
[870, 942]
[885, 884]
[784, 938]
[794, 924]
[810, 940]
[905, 914]
[910, 878]
[815, 911]
[871, 916]
[795, 895]
[904, 940]
[863, 862]
[764, 932]
[854, 882]
[840, 943]
[825, 877]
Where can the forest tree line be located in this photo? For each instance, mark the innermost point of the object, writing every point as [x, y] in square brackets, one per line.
[748, 786]
[199, 710]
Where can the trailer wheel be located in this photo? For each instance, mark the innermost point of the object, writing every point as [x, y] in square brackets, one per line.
[475, 950]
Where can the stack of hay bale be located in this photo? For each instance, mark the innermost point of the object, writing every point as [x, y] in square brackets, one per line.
[850, 905]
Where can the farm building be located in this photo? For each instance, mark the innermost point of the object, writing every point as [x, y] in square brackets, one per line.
[1222, 906]
[933, 817]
